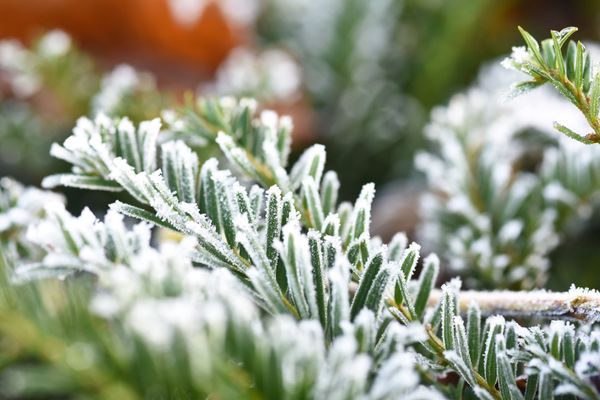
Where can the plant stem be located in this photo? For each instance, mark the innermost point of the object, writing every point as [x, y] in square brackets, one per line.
[579, 304]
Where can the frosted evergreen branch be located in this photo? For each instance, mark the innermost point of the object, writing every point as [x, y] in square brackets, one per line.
[258, 147]
[290, 256]
[266, 247]
[573, 75]
[212, 207]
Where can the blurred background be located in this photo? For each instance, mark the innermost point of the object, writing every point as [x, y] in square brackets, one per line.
[359, 76]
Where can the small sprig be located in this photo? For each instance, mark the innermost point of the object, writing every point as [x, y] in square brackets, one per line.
[278, 239]
[571, 74]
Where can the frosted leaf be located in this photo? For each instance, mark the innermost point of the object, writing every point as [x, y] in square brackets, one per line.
[311, 162]
[266, 290]
[120, 82]
[251, 242]
[510, 231]
[568, 388]
[105, 305]
[412, 333]
[331, 224]
[47, 233]
[560, 328]
[295, 253]
[157, 322]
[213, 245]
[459, 364]
[496, 320]
[588, 364]
[388, 382]
[172, 120]
[364, 326]
[237, 156]
[313, 202]
[344, 373]
[149, 131]
[133, 183]
[554, 191]
[273, 160]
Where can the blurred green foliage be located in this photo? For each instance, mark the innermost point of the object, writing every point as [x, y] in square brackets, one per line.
[431, 49]
[372, 72]
[62, 85]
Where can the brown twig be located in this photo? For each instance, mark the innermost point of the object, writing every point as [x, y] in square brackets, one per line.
[578, 304]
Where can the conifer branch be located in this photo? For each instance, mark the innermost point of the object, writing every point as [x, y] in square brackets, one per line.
[573, 75]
